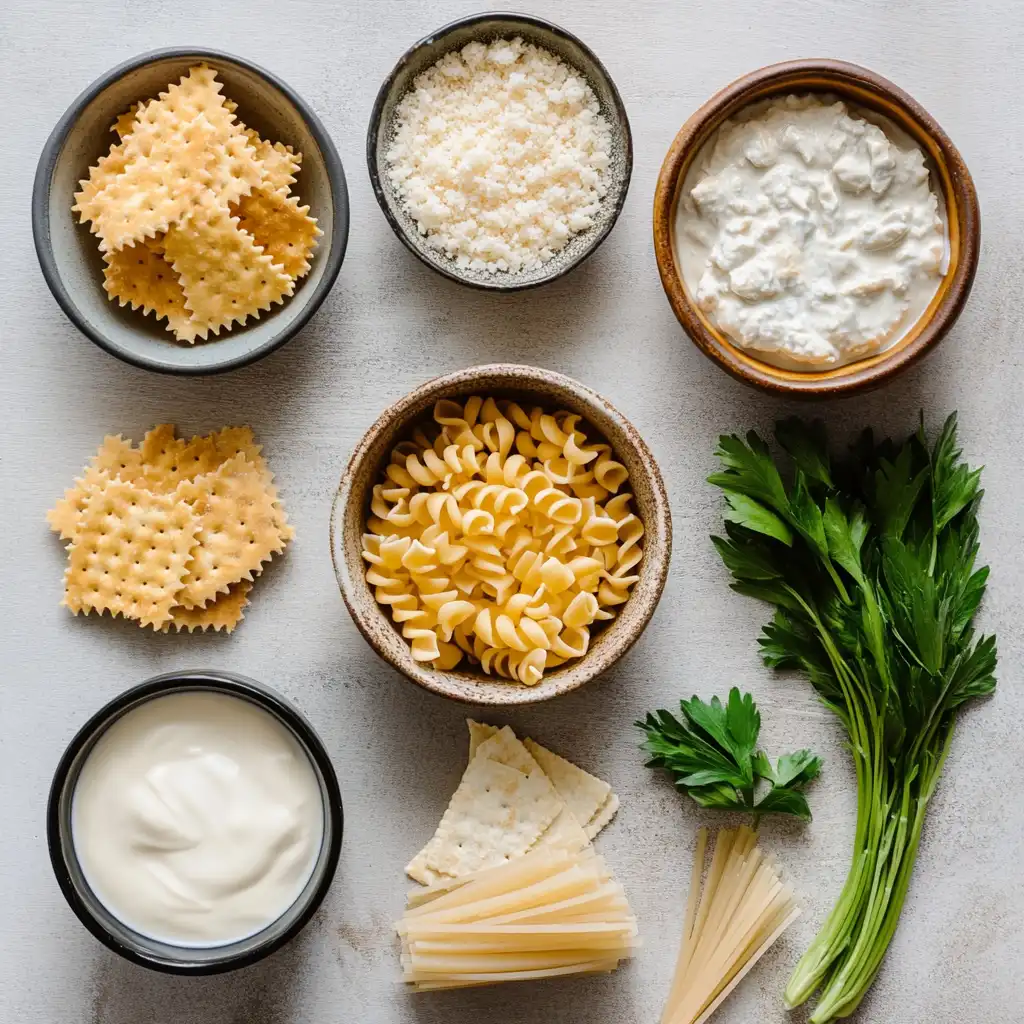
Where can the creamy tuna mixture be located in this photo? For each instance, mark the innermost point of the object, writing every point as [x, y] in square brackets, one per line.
[809, 234]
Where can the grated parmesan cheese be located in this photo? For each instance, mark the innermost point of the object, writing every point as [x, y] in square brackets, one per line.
[499, 154]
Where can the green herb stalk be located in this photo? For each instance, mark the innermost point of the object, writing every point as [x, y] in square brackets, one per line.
[870, 564]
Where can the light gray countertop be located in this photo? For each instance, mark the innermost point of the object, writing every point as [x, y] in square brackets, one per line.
[389, 324]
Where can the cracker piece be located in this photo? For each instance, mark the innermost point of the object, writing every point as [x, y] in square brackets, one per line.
[63, 517]
[283, 229]
[231, 441]
[565, 831]
[603, 816]
[170, 166]
[240, 528]
[168, 460]
[280, 162]
[227, 278]
[116, 458]
[119, 458]
[284, 528]
[140, 277]
[159, 449]
[196, 92]
[584, 794]
[207, 453]
[478, 732]
[579, 789]
[171, 149]
[224, 613]
[130, 553]
[504, 746]
[496, 814]
[103, 173]
[125, 124]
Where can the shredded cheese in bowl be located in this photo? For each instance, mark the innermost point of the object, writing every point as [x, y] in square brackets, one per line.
[500, 154]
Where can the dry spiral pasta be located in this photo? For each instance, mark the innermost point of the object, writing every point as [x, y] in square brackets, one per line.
[501, 535]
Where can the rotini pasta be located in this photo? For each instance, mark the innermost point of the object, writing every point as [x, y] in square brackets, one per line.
[501, 535]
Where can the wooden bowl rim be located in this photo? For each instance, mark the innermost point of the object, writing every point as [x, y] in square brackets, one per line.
[468, 687]
[849, 81]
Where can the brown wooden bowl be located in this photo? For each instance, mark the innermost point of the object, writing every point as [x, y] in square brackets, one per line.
[537, 387]
[868, 90]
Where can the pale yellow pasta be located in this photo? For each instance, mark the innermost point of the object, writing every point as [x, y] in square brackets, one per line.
[501, 535]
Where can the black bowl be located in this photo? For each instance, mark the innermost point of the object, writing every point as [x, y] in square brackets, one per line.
[140, 949]
[453, 36]
[69, 255]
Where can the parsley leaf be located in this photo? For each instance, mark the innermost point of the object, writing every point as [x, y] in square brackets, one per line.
[711, 753]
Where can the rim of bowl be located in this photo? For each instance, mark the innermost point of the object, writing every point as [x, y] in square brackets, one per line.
[374, 130]
[161, 685]
[43, 242]
[368, 614]
[861, 85]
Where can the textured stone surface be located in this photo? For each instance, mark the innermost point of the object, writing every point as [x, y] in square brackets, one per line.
[391, 323]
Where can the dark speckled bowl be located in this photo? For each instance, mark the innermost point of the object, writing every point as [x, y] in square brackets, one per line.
[69, 255]
[528, 385]
[484, 27]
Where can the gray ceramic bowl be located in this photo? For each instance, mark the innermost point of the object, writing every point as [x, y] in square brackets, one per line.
[484, 27]
[70, 258]
[528, 385]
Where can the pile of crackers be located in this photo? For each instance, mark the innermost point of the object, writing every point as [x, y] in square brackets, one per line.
[194, 212]
[515, 797]
[172, 532]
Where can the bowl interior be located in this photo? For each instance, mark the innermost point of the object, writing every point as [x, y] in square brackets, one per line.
[874, 102]
[79, 266]
[485, 28]
[152, 952]
[529, 387]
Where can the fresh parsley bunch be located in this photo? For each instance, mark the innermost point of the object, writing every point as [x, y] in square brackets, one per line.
[871, 566]
[711, 753]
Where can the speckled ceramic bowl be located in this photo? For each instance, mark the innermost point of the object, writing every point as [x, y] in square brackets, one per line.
[526, 384]
[485, 27]
[69, 255]
[871, 93]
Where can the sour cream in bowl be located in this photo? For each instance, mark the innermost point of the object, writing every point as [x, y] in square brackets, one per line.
[195, 823]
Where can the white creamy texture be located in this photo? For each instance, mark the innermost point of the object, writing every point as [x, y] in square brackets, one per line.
[807, 233]
[499, 153]
[197, 819]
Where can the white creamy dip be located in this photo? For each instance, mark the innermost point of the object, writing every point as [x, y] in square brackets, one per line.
[810, 234]
[197, 818]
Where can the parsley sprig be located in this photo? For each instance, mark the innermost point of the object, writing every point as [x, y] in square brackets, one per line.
[870, 563]
[711, 753]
